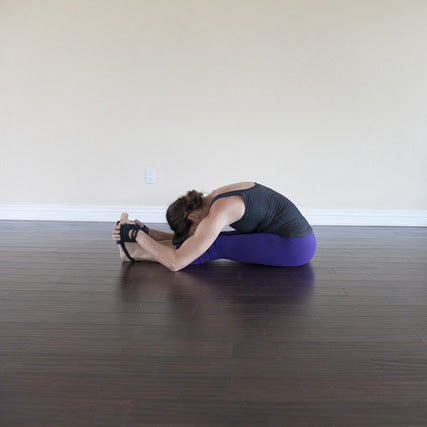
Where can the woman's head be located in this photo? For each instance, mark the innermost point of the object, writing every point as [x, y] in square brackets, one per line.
[178, 214]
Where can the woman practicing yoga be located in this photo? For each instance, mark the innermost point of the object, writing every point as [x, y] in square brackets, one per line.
[269, 228]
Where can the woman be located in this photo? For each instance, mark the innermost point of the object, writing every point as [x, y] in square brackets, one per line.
[269, 228]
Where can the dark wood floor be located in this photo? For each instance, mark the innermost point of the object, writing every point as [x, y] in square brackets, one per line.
[88, 341]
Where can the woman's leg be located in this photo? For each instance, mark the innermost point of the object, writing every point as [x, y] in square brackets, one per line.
[139, 253]
[256, 248]
[261, 248]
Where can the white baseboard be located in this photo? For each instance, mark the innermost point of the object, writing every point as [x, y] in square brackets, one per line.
[153, 214]
[359, 217]
[81, 213]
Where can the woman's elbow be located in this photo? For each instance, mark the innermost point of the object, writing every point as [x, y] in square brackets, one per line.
[175, 266]
[177, 262]
[172, 267]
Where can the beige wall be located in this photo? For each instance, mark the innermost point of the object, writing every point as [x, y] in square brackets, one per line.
[324, 100]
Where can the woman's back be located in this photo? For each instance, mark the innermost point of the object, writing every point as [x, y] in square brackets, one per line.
[266, 211]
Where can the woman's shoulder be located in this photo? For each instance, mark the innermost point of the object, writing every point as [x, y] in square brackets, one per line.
[232, 187]
[229, 203]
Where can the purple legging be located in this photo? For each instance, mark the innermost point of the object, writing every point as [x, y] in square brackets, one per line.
[260, 248]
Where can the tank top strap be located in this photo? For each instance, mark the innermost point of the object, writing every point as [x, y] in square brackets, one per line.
[232, 193]
[228, 194]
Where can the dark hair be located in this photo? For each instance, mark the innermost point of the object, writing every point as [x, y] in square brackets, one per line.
[177, 214]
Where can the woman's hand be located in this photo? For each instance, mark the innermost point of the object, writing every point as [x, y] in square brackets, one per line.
[116, 233]
[138, 222]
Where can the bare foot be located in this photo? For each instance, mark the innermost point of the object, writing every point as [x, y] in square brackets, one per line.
[124, 219]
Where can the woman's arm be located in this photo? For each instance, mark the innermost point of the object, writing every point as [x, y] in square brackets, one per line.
[205, 234]
[156, 234]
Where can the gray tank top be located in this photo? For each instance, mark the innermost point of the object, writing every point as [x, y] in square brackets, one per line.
[267, 211]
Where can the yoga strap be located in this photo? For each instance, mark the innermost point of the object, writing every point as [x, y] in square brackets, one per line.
[134, 232]
[122, 243]
[126, 252]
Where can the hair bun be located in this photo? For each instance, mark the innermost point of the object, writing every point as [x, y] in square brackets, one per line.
[194, 200]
